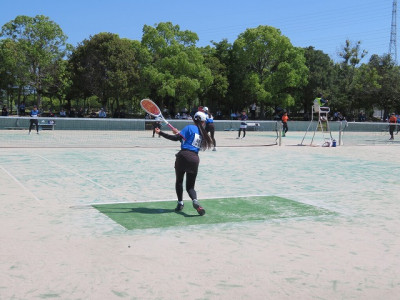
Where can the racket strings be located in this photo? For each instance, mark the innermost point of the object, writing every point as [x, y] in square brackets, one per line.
[150, 107]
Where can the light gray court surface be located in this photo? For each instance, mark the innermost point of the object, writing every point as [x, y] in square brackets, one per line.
[54, 246]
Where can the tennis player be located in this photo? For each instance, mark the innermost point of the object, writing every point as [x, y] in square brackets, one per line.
[285, 127]
[210, 128]
[243, 125]
[187, 159]
[34, 119]
[392, 125]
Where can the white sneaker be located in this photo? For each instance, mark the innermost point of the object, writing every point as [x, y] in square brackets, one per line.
[215, 149]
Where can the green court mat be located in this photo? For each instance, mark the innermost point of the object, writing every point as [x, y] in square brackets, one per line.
[161, 214]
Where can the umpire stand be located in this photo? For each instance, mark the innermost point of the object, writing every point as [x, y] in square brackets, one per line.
[322, 112]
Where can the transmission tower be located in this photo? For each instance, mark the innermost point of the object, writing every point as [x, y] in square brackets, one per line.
[393, 33]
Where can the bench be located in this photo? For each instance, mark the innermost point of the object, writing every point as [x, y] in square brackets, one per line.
[253, 126]
[46, 126]
[250, 126]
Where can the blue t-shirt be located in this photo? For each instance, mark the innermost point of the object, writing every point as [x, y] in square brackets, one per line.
[193, 138]
[34, 113]
[243, 118]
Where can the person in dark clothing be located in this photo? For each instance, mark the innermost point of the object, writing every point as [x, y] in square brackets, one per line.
[156, 124]
[210, 128]
[193, 138]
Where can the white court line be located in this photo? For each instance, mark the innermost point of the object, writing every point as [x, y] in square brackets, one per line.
[21, 185]
[305, 194]
[85, 178]
[285, 195]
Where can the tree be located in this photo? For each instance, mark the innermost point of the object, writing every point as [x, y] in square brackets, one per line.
[351, 53]
[319, 77]
[108, 67]
[268, 68]
[60, 82]
[366, 88]
[177, 74]
[14, 72]
[344, 85]
[388, 96]
[41, 43]
[218, 89]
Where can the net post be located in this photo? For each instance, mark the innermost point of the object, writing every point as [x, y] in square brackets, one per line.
[280, 128]
[340, 133]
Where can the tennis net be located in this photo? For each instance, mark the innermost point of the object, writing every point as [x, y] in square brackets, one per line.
[122, 133]
[368, 133]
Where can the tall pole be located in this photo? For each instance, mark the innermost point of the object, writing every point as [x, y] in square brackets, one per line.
[393, 33]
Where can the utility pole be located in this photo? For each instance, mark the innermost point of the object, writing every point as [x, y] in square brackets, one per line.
[393, 33]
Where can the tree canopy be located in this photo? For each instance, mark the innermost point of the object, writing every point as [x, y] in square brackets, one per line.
[38, 43]
[261, 66]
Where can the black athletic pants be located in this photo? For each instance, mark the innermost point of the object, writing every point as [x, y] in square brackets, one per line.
[187, 162]
[34, 121]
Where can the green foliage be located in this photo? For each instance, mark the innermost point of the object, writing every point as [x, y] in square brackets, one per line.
[40, 43]
[351, 53]
[261, 66]
[177, 72]
[271, 68]
[386, 95]
[108, 67]
[319, 78]
[212, 95]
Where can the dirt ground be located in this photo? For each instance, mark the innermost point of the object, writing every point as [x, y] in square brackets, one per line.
[53, 245]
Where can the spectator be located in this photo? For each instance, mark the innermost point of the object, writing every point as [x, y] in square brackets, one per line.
[93, 114]
[22, 109]
[81, 113]
[337, 116]
[253, 109]
[4, 111]
[72, 113]
[102, 113]
[117, 113]
[63, 113]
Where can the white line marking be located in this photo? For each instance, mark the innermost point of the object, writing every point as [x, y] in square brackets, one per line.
[21, 185]
[208, 198]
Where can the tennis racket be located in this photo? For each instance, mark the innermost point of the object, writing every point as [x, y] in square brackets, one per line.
[152, 109]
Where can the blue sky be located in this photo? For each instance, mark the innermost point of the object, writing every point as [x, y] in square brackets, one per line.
[324, 24]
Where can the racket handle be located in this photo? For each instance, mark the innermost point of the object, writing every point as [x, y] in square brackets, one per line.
[172, 128]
